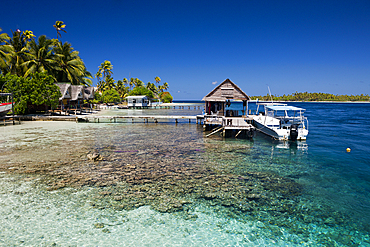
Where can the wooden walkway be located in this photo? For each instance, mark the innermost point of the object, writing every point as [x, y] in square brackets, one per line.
[229, 124]
[10, 120]
[145, 118]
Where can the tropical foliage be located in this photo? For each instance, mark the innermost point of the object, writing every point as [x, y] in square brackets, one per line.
[38, 91]
[141, 90]
[110, 96]
[22, 55]
[30, 66]
[59, 26]
[166, 97]
[126, 87]
[305, 96]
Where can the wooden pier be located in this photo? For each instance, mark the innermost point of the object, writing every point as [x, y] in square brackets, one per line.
[145, 118]
[10, 120]
[221, 123]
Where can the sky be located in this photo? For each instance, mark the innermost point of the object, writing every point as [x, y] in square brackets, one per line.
[287, 46]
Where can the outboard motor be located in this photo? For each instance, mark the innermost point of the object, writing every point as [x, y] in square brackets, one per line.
[293, 132]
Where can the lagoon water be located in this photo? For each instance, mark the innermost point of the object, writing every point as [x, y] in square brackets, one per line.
[166, 184]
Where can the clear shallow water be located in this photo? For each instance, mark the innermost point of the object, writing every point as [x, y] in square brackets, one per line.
[323, 198]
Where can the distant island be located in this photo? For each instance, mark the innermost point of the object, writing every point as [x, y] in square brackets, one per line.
[313, 97]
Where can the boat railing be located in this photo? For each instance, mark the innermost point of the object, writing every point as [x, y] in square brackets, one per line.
[293, 120]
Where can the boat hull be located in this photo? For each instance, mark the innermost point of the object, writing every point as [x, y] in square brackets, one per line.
[5, 108]
[276, 132]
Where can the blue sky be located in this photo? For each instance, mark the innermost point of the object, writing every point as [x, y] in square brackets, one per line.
[314, 46]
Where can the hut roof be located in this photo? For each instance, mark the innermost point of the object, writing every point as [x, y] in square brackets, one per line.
[226, 90]
[89, 93]
[63, 87]
[77, 92]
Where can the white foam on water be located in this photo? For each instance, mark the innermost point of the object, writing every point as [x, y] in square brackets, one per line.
[31, 216]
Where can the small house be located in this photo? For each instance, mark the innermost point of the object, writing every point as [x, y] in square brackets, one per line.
[219, 99]
[65, 90]
[73, 96]
[138, 101]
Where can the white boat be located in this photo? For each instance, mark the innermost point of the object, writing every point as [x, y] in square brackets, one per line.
[5, 108]
[282, 122]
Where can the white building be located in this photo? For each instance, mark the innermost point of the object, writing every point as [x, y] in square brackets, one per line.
[138, 101]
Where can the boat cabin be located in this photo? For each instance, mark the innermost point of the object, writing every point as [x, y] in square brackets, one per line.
[138, 101]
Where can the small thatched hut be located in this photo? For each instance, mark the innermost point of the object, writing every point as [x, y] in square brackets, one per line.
[219, 98]
[74, 95]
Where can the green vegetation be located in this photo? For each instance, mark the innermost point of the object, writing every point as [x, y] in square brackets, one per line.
[22, 55]
[30, 66]
[124, 88]
[110, 96]
[36, 92]
[313, 97]
[141, 90]
[166, 97]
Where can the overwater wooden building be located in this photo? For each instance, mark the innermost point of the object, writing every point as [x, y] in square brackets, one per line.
[217, 113]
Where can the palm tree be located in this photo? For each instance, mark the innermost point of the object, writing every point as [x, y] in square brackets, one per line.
[125, 82]
[121, 88]
[87, 78]
[40, 56]
[109, 83]
[132, 82]
[71, 68]
[59, 26]
[15, 48]
[152, 87]
[106, 68]
[138, 83]
[98, 75]
[105, 71]
[157, 80]
[4, 52]
[28, 35]
[165, 86]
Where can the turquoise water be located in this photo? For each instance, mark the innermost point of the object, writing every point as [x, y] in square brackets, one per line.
[166, 184]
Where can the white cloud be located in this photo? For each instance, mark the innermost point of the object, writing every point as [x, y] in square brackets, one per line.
[214, 83]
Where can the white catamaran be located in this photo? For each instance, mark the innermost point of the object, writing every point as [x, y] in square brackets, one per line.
[281, 121]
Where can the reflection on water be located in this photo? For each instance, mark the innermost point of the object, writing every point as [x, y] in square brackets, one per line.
[164, 184]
